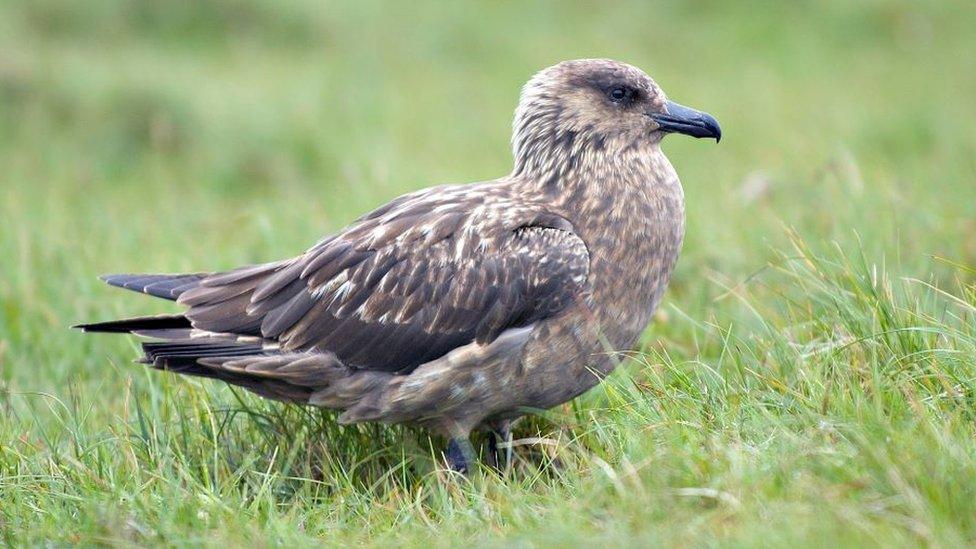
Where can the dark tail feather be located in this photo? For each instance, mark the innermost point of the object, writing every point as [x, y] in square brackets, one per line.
[166, 286]
[127, 325]
[194, 358]
[182, 354]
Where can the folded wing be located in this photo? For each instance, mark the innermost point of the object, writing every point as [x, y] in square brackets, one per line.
[406, 284]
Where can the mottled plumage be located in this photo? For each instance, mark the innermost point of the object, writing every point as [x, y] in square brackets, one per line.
[456, 307]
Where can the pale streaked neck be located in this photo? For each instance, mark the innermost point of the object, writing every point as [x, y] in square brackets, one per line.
[574, 167]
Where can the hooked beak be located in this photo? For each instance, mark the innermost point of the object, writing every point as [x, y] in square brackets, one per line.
[681, 119]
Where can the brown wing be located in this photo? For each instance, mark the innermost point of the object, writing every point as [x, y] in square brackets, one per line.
[407, 283]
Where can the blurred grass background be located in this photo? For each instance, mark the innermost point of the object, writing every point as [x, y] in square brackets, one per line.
[797, 377]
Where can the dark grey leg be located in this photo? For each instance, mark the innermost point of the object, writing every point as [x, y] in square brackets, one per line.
[459, 455]
[501, 432]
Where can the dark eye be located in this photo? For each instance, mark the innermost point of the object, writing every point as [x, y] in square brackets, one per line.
[618, 94]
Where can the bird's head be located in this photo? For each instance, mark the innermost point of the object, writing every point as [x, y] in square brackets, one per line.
[599, 104]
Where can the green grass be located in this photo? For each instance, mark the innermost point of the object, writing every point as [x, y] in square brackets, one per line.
[810, 379]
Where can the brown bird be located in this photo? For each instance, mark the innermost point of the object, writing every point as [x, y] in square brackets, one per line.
[463, 306]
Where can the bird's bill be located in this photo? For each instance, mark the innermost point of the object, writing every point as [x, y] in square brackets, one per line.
[682, 119]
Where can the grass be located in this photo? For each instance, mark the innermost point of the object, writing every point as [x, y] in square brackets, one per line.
[809, 380]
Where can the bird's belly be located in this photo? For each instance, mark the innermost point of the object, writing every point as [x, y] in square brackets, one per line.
[573, 352]
[570, 355]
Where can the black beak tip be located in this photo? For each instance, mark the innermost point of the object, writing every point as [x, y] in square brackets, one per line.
[715, 128]
[711, 126]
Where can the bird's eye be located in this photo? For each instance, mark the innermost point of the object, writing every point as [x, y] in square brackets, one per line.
[618, 94]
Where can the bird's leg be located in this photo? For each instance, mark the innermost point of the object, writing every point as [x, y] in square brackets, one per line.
[500, 434]
[460, 455]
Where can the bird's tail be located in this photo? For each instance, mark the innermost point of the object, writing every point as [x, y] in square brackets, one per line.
[166, 286]
[249, 361]
[137, 324]
[253, 363]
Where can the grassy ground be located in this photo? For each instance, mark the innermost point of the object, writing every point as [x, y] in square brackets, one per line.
[811, 378]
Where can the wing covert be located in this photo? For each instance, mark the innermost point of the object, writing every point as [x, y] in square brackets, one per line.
[409, 283]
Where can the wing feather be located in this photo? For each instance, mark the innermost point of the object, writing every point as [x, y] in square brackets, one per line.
[408, 283]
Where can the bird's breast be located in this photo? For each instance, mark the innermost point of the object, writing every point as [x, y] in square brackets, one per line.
[633, 242]
[633, 236]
